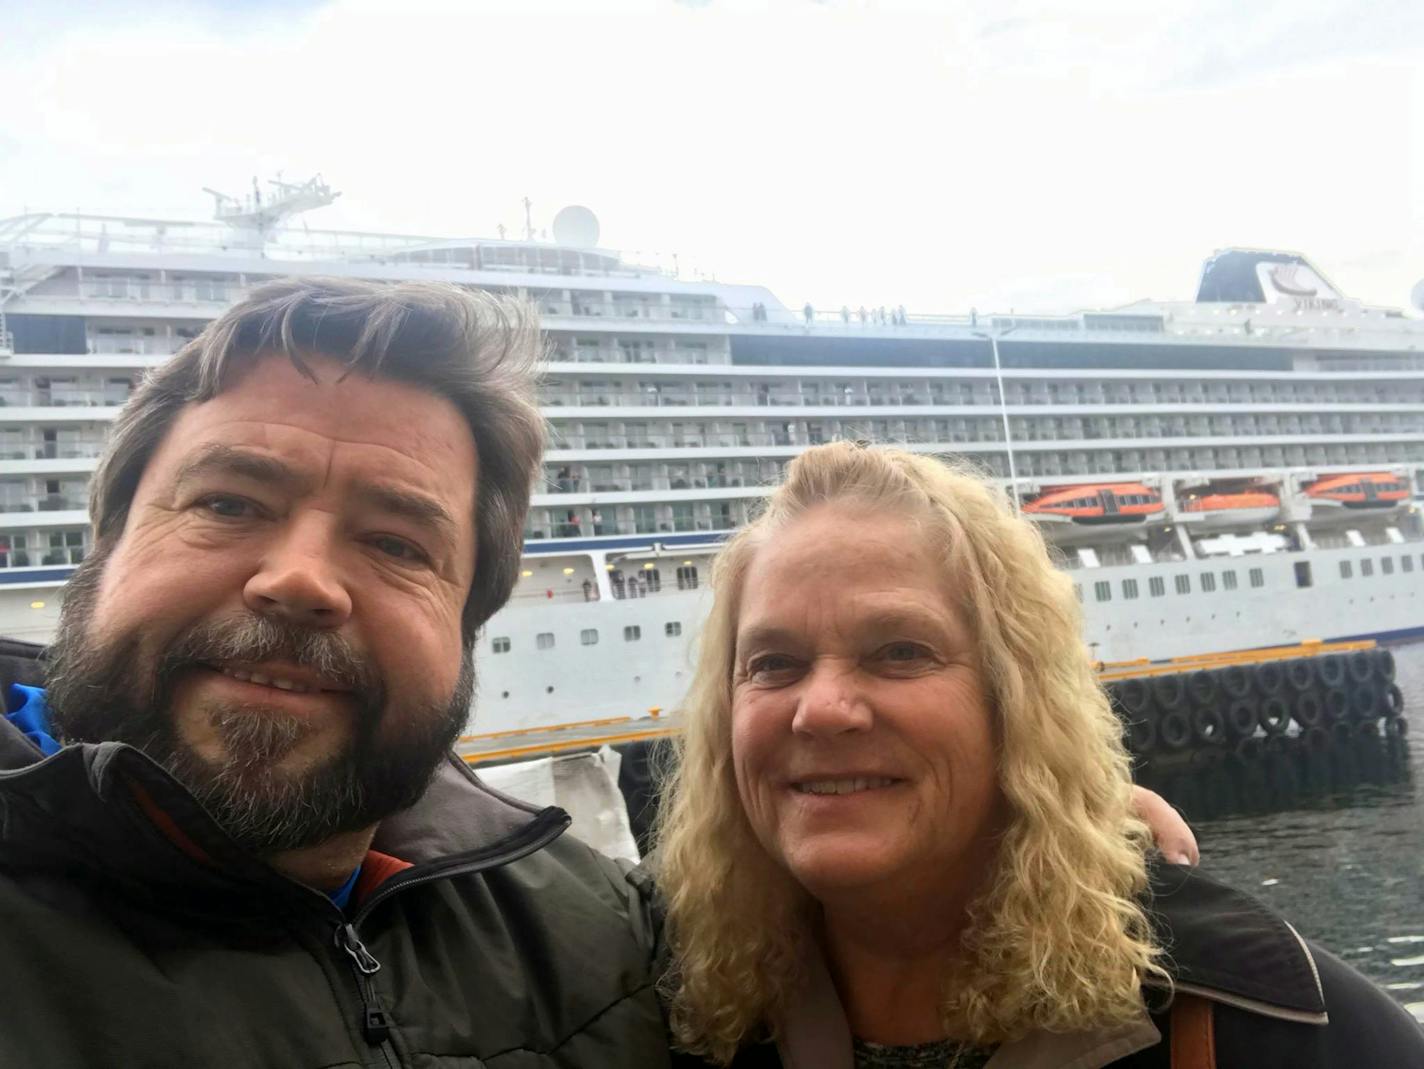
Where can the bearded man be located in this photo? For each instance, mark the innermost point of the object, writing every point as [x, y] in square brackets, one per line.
[231, 830]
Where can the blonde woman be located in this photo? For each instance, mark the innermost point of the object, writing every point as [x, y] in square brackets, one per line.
[902, 831]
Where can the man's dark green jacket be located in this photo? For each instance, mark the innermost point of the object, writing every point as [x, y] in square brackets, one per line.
[128, 941]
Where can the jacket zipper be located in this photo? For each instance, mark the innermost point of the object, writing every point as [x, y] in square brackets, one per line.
[375, 1022]
[375, 1025]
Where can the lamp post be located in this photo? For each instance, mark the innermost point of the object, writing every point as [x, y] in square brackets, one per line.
[993, 339]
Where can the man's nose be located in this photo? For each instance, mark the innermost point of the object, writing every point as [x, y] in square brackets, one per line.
[832, 702]
[299, 577]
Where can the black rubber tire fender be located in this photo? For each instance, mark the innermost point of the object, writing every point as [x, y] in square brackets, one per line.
[1330, 670]
[1360, 666]
[1337, 706]
[1341, 732]
[1384, 665]
[1396, 728]
[1142, 733]
[1169, 692]
[1270, 679]
[1316, 739]
[1249, 749]
[1299, 677]
[1235, 680]
[1364, 702]
[1204, 687]
[1367, 729]
[1393, 703]
[1133, 695]
[1174, 730]
[1208, 725]
[1275, 715]
[1308, 710]
[1242, 716]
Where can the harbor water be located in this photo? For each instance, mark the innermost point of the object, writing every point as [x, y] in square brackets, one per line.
[1335, 844]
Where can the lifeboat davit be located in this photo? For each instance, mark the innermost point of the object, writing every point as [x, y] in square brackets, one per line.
[1231, 508]
[1097, 503]
[1360, 490]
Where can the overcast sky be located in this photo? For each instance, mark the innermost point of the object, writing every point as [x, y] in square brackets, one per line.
[987, 153]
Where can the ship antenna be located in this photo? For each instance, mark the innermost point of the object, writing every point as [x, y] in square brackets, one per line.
[257, 218]
[528, 221]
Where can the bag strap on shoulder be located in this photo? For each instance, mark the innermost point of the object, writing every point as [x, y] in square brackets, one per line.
[1193, 1040]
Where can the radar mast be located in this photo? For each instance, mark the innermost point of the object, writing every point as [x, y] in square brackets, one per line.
[256, 216]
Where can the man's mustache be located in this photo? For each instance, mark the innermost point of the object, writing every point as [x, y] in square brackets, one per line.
[251, 639]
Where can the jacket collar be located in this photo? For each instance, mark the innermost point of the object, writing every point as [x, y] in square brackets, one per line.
[1220, 944]
[78, 809]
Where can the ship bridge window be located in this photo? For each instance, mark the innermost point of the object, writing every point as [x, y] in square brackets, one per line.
[1102, 590]
[500, 645]
[1367, 567]
[1208, 582]
[1156, 586]
[1302, 574]
[1406, 563]
[1386, 565]
[1228, 580]
[544, 640]
[1129, 588]
[672, 628]
[588, 636]
[1347, 570]
[632, 633]
[1258, 577]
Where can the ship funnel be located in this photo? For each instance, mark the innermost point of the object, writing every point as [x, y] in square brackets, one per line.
[1252, 276]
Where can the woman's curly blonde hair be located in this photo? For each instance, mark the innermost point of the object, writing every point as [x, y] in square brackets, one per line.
[1056, 940]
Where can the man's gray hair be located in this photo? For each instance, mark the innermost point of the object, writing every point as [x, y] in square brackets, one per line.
[480, 352]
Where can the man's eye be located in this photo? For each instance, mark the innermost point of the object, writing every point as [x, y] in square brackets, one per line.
[398, 548]
[227, 507]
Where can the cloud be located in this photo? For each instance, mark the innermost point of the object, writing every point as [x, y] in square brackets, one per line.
[935, 155]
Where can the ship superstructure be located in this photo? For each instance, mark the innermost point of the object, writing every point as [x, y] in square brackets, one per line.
[1190, 461]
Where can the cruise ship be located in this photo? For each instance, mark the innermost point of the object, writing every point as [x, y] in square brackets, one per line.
[1231, 471]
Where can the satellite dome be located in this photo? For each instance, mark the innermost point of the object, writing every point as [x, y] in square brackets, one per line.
[1416, 295]
[576, 226]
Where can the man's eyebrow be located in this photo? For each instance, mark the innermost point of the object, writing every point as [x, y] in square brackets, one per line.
[411, 505]
[216, 458]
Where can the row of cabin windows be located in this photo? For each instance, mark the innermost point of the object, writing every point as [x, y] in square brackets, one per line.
[587, 637]
[1157, 585]
[1386, 564]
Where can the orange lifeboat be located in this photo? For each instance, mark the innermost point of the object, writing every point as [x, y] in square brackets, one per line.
[1360, 490]
[1230, 508]
[1097, 503]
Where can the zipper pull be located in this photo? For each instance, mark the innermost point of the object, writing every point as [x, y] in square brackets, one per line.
[375, 1025]
[350, 942]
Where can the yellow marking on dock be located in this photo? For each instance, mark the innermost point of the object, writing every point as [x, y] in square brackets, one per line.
[568, 744]
[542, 728]
[1113, 670]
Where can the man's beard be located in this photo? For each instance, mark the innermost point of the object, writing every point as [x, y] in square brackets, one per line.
[112, 692]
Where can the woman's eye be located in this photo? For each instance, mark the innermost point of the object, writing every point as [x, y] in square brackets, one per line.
[770, 666]
[903, 652]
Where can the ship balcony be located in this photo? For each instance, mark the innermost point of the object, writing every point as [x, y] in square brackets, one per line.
[26, 515]
[638, 497]
[95, 412]
[21, 461]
